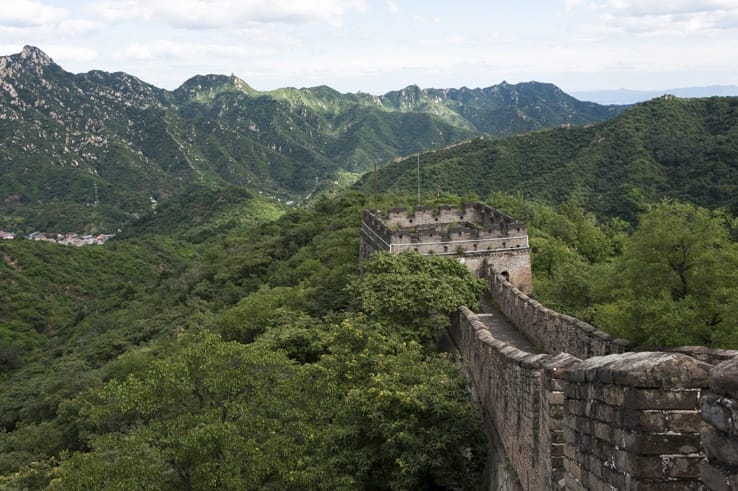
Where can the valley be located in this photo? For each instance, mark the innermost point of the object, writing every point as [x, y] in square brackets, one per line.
[224, 334]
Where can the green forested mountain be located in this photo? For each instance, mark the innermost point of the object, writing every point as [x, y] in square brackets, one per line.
[504, 109]
[667, 147]
[90, 151]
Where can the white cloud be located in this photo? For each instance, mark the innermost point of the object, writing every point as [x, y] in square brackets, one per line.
[662, 17]
[71, 53]
[392, 7]
[572, 4]
[79, 27]
[119, 11]
[29, 13]
[168, 51]
[136, 51]
[666, 7]
[212, 14]
[446, 41]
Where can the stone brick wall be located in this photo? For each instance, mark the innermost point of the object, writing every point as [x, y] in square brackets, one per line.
[523, 400]
[426, 215]
[552, 331]
[632, 422]
[720, 434]
[636, 420]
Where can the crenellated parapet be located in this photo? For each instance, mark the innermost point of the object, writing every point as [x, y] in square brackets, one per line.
[633, 420]
[473, 233]
[552, 331]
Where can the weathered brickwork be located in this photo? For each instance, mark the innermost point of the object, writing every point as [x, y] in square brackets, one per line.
[552, 331]
[522, 395]
[473, 234]
[634, 420]
[719, 407]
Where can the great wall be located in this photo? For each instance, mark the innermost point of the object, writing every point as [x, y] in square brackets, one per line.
[567, 406]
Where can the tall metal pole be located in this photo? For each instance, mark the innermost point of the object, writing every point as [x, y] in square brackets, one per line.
[418, 178]
[376, 187]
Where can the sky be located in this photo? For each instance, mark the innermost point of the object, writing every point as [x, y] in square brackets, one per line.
[380, 45]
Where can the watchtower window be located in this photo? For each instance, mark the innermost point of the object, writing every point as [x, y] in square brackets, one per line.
[445, 248]
[475, 247]
[411, 220]
[506, 275]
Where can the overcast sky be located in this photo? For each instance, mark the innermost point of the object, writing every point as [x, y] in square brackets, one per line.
[380, 45]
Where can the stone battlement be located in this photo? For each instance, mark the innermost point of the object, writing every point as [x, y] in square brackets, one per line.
[473, 233]
[592, 414]
[553, 332]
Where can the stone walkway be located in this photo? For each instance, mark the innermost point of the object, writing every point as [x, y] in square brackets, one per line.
[501, 328]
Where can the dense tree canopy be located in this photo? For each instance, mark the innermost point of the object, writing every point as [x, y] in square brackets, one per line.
[411, 291]
[234, 359]
[671, 281]
[245, 355]
[677, 281]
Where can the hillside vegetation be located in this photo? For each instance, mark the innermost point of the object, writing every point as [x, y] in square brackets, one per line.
[258, 341]
[244, 355]
[226, 340]
[91, 151]
[671, 279]
[667, 147]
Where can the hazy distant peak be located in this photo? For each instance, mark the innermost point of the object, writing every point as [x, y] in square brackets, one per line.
[628, 96]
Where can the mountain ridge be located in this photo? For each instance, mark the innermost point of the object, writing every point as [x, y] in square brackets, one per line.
[668, 147]
[91, 151]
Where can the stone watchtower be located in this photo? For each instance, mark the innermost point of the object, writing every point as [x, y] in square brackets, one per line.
[472, 233]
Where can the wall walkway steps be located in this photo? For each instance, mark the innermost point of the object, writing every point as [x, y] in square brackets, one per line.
[589, 412]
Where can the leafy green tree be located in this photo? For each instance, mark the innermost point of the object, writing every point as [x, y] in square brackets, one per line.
[415, 294]
[372, 413]
[214, 414]
[403, 418]
[258, 312]
[677, 281]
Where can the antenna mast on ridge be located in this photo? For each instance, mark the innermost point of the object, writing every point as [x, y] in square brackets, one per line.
[418, 178]
[375, 184]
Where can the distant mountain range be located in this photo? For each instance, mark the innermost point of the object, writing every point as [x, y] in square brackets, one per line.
[627, 96]
[664, 148]
[90, 151]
